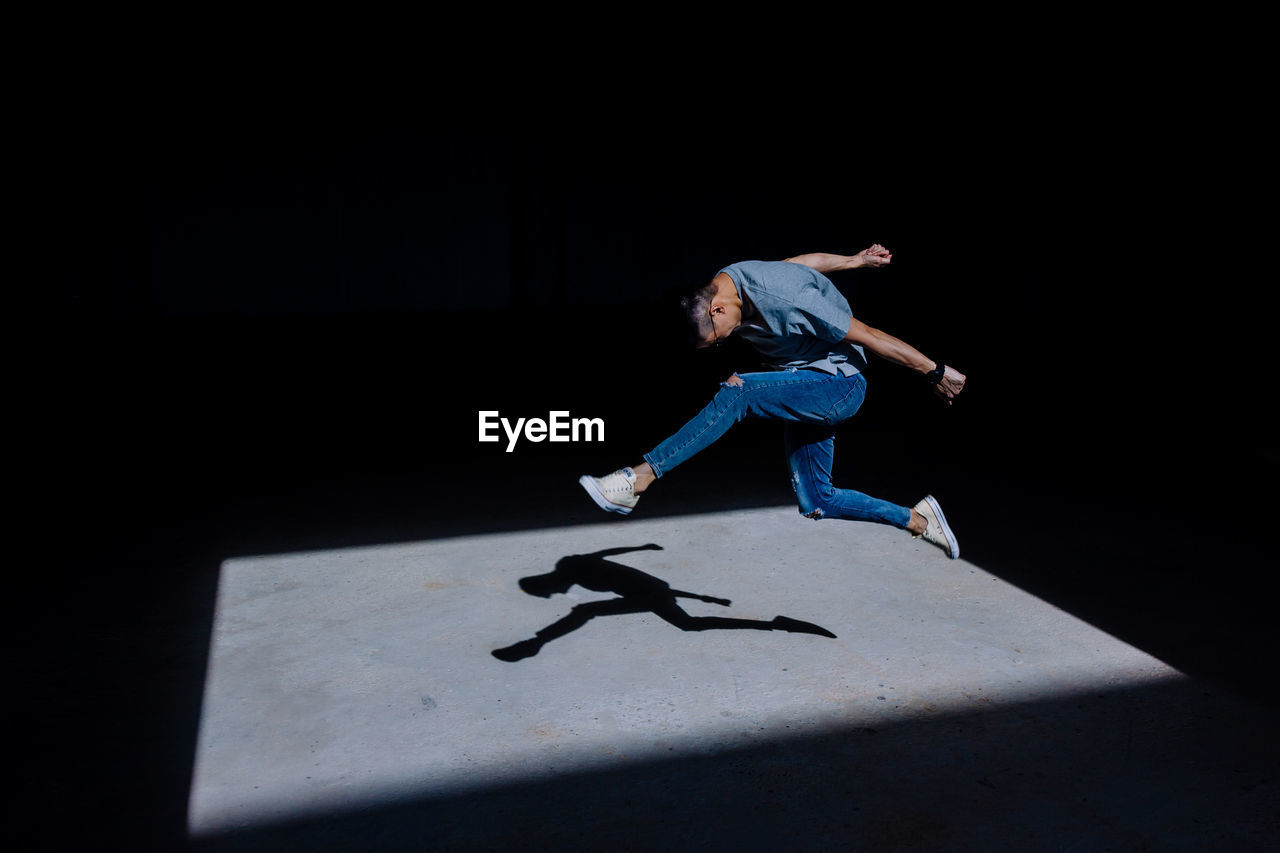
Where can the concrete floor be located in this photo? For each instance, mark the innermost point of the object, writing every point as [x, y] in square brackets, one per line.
[254, 627]
[353, 700]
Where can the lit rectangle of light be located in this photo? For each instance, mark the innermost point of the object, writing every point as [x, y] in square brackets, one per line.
[338, 679]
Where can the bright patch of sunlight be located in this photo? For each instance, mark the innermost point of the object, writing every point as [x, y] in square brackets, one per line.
[345, 678]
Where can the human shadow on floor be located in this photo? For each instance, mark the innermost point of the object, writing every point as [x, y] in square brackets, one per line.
[638, 593]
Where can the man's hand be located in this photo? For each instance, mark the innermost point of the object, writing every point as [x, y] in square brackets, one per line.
[951, 384]
[873, 258]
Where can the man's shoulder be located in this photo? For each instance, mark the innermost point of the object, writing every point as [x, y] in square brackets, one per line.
[785, 280]
[765, 274]
[761, 266]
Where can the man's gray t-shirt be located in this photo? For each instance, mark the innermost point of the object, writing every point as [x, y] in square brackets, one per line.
[800, 319]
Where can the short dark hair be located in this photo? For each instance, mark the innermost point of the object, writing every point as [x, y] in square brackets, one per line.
[695, 307]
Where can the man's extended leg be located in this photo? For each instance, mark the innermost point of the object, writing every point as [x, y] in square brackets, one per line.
[804, 396]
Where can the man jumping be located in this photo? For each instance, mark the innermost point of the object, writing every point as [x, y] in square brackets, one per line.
[815, 349]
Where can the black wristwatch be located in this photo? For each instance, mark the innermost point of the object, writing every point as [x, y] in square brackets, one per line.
[933, 377]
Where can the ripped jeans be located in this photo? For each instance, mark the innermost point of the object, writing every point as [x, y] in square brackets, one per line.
[810, 404]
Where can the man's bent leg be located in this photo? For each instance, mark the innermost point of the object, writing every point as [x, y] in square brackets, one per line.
[810, 452]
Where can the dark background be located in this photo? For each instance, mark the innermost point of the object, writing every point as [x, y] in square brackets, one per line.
[273, 293]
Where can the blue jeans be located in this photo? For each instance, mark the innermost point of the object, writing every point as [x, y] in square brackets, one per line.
[811, 404]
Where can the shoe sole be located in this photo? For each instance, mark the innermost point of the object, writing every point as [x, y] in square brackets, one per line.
[588, 482]
[946, 528]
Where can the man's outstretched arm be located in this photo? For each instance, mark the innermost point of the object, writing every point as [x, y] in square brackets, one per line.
[613, 552]
[823, 262]
[900, 352]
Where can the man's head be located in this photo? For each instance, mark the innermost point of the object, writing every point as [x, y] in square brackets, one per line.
[544, 586]
[711, 312]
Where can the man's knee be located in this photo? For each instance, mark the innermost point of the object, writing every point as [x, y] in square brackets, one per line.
[814, 499]
[812, 507]
[731, 396]
[731, 388]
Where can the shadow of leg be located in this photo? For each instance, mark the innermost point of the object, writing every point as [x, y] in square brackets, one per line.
[795, 626]
[575, 619]
[671, 612]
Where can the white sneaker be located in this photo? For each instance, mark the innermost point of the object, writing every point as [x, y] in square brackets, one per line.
[938, 531]
[613, 492]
